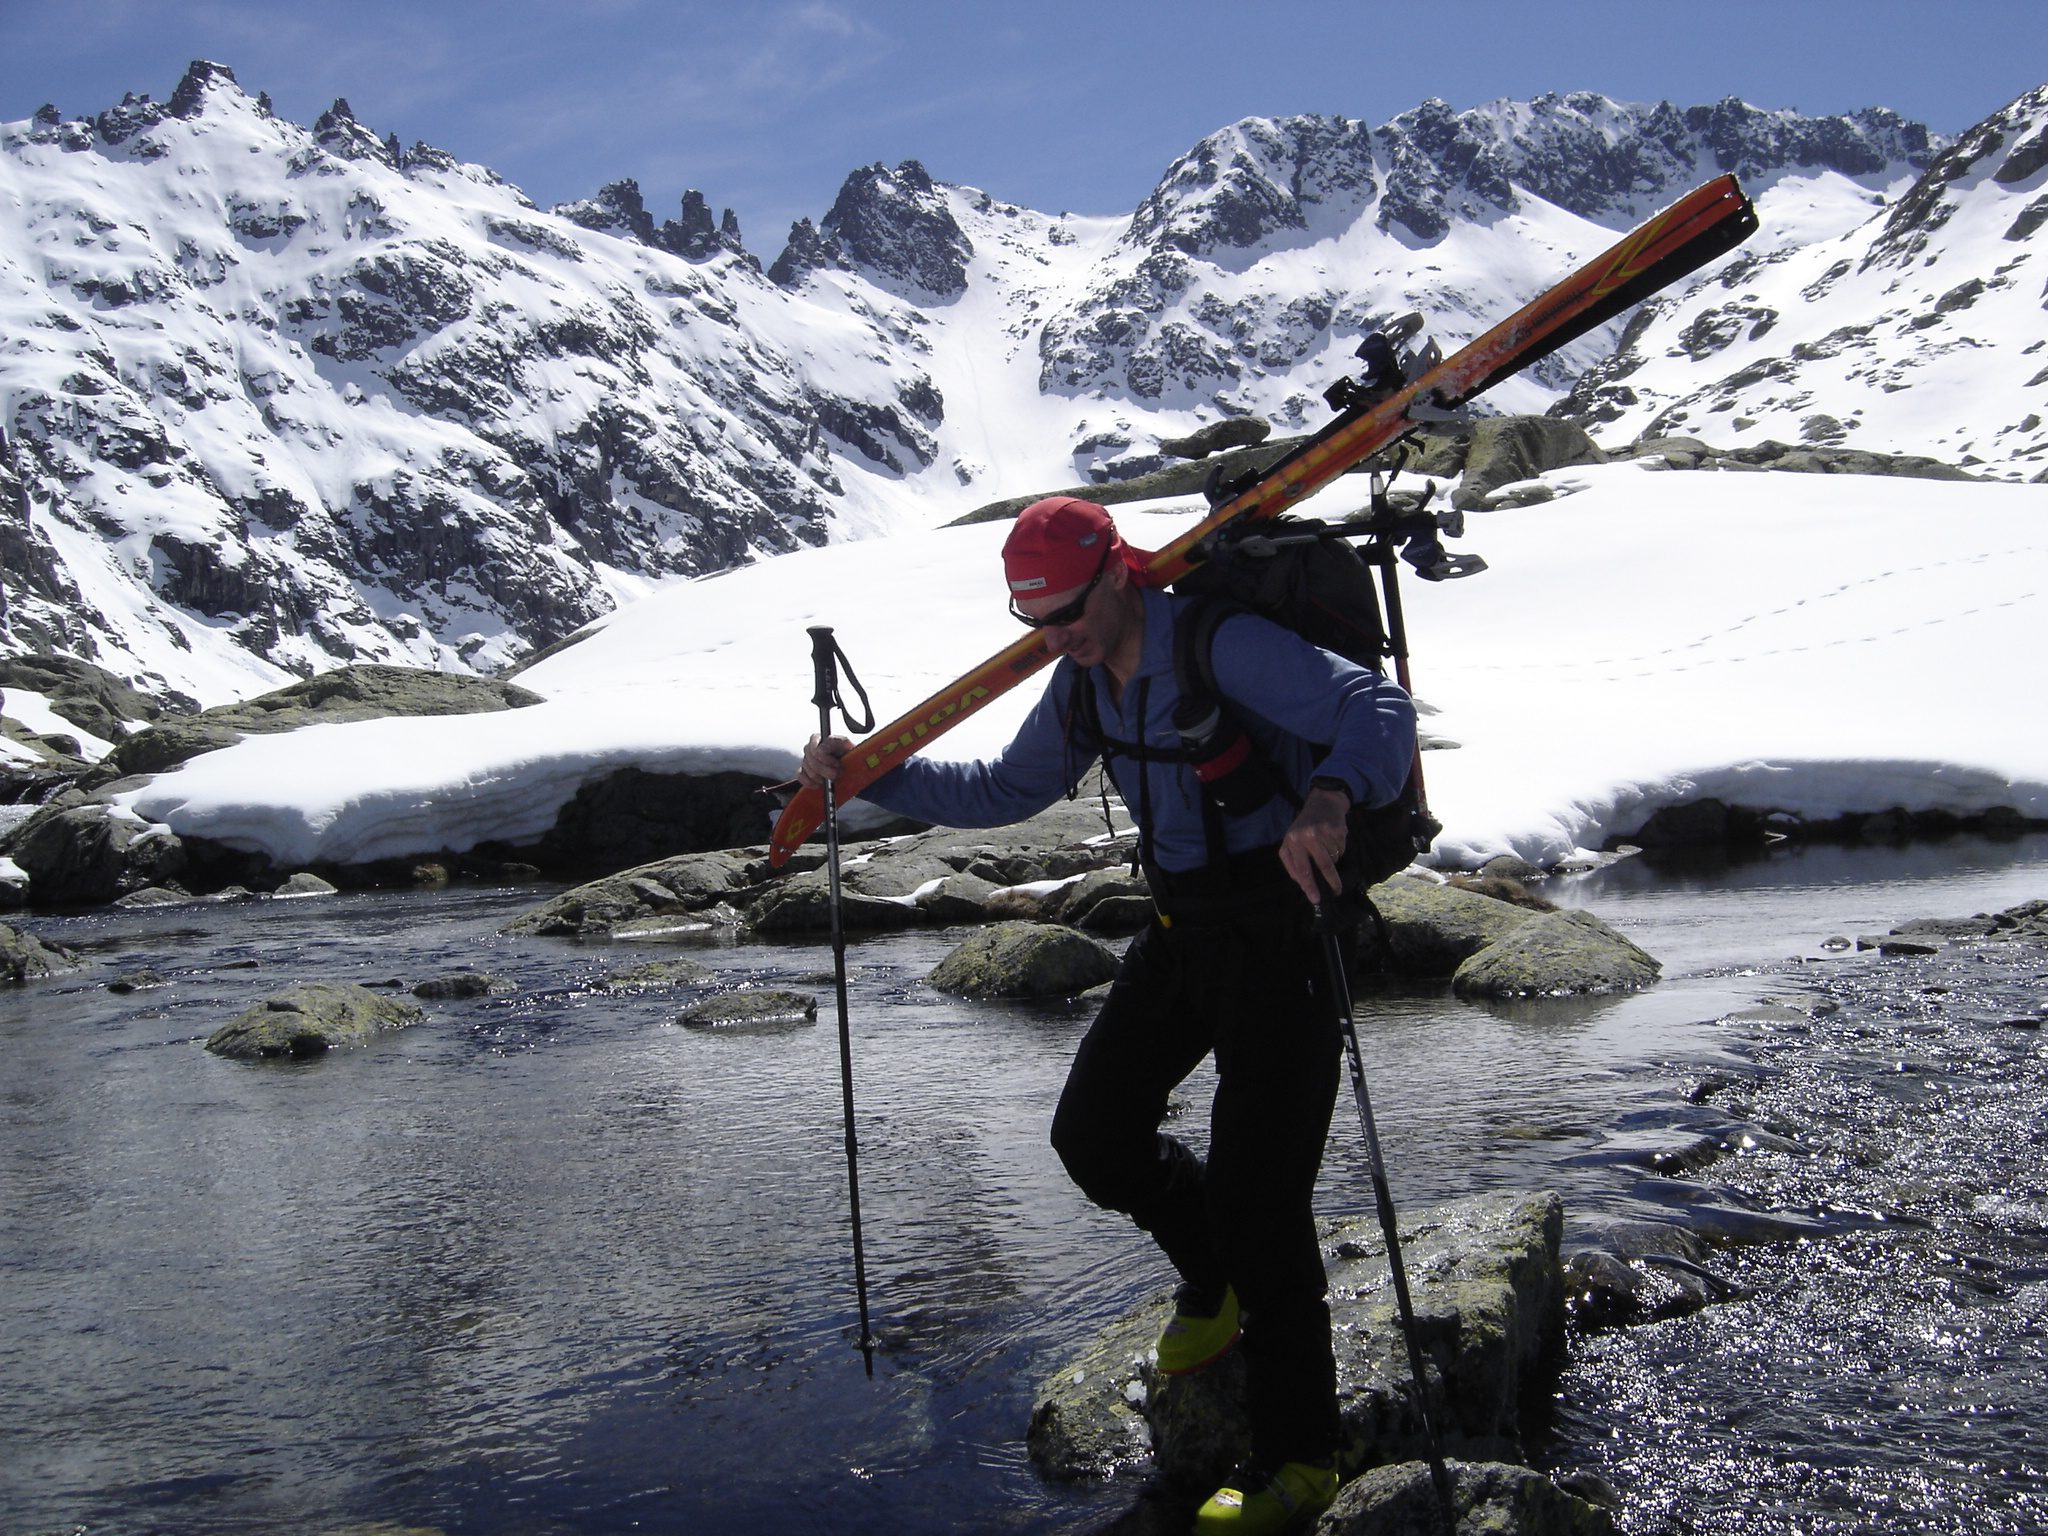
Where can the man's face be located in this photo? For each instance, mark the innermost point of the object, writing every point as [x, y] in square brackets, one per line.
[1090, 637]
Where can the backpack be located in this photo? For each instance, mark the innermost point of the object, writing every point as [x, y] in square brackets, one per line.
[1307, 578]
[1297, 574]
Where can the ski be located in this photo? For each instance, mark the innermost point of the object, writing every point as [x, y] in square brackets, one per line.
[1706, 223]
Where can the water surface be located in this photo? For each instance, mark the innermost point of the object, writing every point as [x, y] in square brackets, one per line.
[548, 1262]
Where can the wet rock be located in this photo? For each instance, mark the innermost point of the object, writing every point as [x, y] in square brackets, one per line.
[24, 957]
[1488, 1291]
[631, 817]
[1621, 1289]
[1557, 954]
[79, 853]
[1025, 960]
[461, 984]
[303, 883]
[681, 927]
[804, 904]
[1942, 929]
[1433, 929]
[1901, 947]
[1063, 866]
[2027, 922]
[1118, 915]
[1703, 823]
[751, 1009]
[1496, 1498]
[310, 1020]
[658, 975]
[958, 898]
[1104, 901]
[1089, 1420]
[1507, 888]
[688, 883]
[156, 896]
[137, 981]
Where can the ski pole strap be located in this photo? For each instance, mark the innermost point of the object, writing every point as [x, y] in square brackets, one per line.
[827, 662]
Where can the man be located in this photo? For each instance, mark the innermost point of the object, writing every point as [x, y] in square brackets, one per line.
[1230, 964]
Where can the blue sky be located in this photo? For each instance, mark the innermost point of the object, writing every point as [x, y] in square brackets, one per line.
[766, 105]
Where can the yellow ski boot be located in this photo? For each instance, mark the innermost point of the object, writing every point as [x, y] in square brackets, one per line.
[1263, 1501]
[1200, 1333]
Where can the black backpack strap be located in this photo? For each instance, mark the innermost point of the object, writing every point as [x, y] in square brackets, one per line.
[1194, 668]
[1082, 725]
[1194, 645]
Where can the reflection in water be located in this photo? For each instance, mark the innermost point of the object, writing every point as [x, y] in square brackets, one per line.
[547, 1262]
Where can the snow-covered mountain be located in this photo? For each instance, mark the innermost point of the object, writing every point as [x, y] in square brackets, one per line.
[1920, 329]
[296, 397]
[278, 398]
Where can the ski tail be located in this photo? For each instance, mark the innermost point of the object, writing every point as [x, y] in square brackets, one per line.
[1701, 226]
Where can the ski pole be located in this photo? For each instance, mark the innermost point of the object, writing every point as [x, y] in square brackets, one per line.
[826, 661]
[1330, 925]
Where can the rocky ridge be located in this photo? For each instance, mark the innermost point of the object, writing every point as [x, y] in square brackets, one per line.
[1842, 343]
[318, 397]
[1174, 313]
[329, 400]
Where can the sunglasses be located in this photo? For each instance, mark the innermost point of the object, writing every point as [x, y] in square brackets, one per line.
[1066, 613]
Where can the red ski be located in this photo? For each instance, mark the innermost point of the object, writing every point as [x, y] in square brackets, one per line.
[1702, 225]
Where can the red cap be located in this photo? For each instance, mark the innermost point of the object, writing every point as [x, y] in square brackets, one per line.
[1057, 546]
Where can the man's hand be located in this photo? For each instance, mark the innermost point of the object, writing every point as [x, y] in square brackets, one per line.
[821, 761]
[1315, 843]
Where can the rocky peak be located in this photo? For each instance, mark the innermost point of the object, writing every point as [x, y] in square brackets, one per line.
[2030, 121]
[2009, 146]
[694, 237]
[618, 209]
[136, 114]
[897, 225]
[806, 251]
[1750, 143]
[337, 131]
[693, 234]
[1440, 165]
[1611, 161]
[200, 79]
[1259, 176]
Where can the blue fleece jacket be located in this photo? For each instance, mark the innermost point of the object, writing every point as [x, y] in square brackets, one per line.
[1287, 693]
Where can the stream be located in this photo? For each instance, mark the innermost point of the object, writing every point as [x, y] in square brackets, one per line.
[548, 1262]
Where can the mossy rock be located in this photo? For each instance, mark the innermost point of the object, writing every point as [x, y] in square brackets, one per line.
[1557, 954]
[310, 1020]
[659, 975]
[751, 1009]
[1025, 960]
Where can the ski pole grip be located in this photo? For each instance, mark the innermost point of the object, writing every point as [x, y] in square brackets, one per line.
[824, 667]
[827, 662]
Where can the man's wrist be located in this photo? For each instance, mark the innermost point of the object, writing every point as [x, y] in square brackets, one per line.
[1329, 782]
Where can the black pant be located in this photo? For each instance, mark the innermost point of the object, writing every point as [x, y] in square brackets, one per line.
[1253, 989]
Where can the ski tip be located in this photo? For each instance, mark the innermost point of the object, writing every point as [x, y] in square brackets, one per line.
[799, 819]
